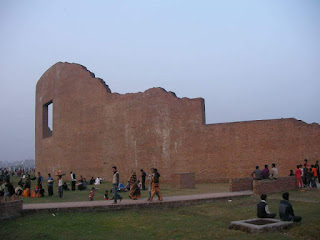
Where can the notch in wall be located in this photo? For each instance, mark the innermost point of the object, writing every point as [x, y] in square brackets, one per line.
[47, 119]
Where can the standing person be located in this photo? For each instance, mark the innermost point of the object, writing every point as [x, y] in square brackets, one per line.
[307, 164]
[40, 180]
[115, 183]
[155, 185]
[286, 210]
[318, 170]
[150, 183]
[60, 186]
[305, 173]
[263, 209]
[265, 172]
[257, 174]
[314, 176]
[73, 181]
[91, 194]
[50, 185]
[298, 177]
[143, 179]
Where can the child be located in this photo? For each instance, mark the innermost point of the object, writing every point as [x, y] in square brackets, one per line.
[91, 194]
[106, 197]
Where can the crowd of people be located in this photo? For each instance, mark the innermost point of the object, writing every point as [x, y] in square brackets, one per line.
[306, 175]
[134, 185]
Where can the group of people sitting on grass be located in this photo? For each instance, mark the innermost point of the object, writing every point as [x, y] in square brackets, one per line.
[307, 175]
[285, 209]
[257, 174]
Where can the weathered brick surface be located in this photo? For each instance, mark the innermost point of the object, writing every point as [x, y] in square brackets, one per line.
[183, 180]
[271, 186]
[240, 184]
[94, 129]
[10, 209]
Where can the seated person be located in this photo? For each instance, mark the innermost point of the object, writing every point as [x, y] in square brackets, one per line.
[257, 174]
[36, 192]
[121, 188]
[65, 187]
[128, 186]
[97, 181]
[263, 209]
[274, 172]
[135, 192]
[91, 181]
[18, 190]
[286, 210]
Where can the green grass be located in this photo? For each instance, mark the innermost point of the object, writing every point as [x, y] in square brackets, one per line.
[206, 221]
[75, 196]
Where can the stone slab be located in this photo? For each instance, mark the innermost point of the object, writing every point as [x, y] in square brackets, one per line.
[256, 225]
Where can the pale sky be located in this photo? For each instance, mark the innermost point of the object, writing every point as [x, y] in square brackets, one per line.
[249, 60]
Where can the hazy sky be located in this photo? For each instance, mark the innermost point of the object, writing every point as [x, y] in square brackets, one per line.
[249, 60]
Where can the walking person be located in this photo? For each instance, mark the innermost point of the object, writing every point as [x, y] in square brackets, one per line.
[298, 177]
[50, 185]
[143, 179]
[73, 181]
[115, 183]
[60, 186]
[155, 185]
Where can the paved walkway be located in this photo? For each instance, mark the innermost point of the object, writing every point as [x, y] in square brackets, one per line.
[128, 203]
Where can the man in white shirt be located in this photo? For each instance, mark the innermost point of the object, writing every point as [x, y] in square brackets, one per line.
[73, 180]
[274, 172]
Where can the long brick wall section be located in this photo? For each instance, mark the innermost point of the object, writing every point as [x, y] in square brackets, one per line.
[272, 186]
[263, 186]
[240, 184]
[94, 129]
[10, 209]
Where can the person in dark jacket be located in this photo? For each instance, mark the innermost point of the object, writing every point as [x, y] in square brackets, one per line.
[263, 209]
[286, 210]
[9, 189]
[143, 179]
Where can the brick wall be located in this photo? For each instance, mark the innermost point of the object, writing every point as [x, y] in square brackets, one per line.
[240, 184]
[94, 129]
[10, 209]
[271, 186]
[183, 180]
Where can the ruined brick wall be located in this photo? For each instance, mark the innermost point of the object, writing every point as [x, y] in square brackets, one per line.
[94, 129]
[10, 209]
[183, 180]
[240, 184]
[281, 184]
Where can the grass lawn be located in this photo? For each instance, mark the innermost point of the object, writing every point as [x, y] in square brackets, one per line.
[206, 221]
[75, 196]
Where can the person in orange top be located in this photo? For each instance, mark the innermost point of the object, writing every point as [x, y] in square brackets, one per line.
[298, 174]
[314, 176]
